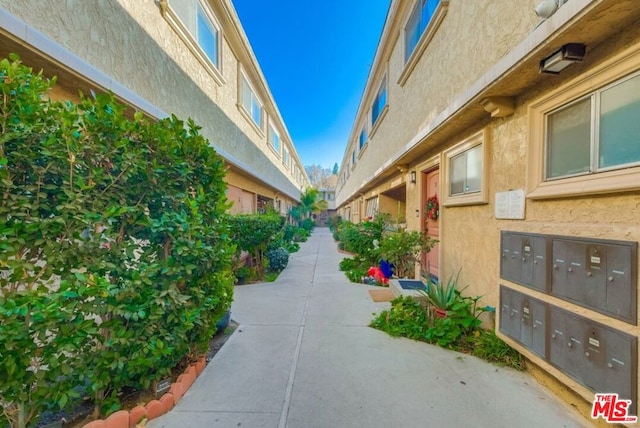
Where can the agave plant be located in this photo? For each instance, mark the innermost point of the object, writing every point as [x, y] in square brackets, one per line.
[441, 295]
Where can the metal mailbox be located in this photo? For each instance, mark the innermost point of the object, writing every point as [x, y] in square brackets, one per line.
[600, 275]
[593, 354]
[524, 259]
[523, 318]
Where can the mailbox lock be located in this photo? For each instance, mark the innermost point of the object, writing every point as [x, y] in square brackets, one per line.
[555, 266]
[570, 269]
[553, 336]
[610, 279]
[524, 259]
[589, 274]
[570, 345]
[610, 365]
[586, 354]
[535, 262]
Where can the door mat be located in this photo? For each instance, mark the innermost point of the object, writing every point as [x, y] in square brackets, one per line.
[382, 295]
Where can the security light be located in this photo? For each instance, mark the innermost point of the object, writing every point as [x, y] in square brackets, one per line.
[562, 58]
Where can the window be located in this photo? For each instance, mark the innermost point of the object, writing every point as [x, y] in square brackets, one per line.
[286, 159]
[274, 138]
[597, 133]
[379, 102]
[363, 138]
[250, 102]
[353, 158]
[465, 172]
[584, 135]
[418, 21]
[207, 34]
[194, 22]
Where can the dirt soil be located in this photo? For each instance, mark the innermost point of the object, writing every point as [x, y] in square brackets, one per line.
[80, 415]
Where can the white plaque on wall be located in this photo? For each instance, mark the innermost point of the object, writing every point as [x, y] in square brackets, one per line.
[510, 204]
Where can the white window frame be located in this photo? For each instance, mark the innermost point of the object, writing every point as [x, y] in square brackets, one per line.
[249, 113]
[622, 179]
[286, 157]
[189, 36]
[362, 143]
[475, 198]
[382, 110]
[425, 38]
[271, 132]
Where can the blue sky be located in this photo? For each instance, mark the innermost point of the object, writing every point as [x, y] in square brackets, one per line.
[316, 57]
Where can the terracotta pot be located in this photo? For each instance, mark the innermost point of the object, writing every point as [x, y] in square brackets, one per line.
[440, 313]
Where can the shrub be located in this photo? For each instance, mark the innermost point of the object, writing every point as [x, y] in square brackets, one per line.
[115, 256]
[488, 346]
[307, 224]
[403, 249]
[278, 259]
[254, 233]
[354, 269]
[406, 318]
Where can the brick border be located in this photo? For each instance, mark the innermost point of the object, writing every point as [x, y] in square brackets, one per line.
[154, 408]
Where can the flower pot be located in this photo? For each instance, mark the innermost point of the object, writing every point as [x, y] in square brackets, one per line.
[440, 313]
[223, 322]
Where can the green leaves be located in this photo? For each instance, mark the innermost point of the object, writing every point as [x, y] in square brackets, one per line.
[115, 253]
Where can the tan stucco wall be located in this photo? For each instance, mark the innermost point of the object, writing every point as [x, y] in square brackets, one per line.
[131, 42]
[472, 37]
[470, 235]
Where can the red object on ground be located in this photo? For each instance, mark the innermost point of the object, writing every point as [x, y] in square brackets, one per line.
[377, 274]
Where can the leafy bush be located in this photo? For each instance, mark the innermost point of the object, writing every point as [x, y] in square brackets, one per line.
[254, 233]
[488, 346]
[278, 259]
[363, 238]
[354, 269]
[115, 254]
[459, 329]
[406, 318]
[403, 248]
[307, 224]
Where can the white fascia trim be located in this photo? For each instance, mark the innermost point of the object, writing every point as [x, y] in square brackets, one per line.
[528, 46]
[29, 35]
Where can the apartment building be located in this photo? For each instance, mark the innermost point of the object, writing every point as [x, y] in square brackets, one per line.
[513, 137]
[190, 58]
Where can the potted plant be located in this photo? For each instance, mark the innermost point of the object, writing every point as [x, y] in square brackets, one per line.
[402, 249]
[440, 295]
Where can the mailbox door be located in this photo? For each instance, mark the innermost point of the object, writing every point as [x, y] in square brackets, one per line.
[575, 287]
[539, 324]
[574, 358]
[505, 310]
[620, 298]
[557, 338]
[539, 271]
[559, 269]
[595, 265]
[526, 321]
[594, 341]
[620, 363]
[526, 258]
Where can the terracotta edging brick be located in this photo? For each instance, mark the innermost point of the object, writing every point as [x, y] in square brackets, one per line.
[154, 408]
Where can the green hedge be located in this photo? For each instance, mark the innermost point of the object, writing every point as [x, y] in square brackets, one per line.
[115, 258]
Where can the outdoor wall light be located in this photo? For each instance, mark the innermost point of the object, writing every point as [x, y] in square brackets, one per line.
[412, 176]
[417, 213]
[562, 58]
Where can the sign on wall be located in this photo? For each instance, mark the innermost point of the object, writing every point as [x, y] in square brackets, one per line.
[510, 205]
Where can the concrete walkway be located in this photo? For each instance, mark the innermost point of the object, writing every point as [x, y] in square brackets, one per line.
[304, 356]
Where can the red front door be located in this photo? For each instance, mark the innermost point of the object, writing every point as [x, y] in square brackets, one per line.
[430, 226]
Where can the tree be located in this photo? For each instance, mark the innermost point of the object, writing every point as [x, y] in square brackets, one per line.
[310, 203]
[319, 177]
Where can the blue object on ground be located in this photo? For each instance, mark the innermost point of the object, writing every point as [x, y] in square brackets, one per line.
[386, 268]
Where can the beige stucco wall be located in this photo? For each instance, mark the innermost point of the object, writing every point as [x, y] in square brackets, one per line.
[470, 235]
[132, 43]
[472, 37]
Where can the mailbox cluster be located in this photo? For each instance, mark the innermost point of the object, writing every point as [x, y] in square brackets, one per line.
[593, 354]
[598, 274]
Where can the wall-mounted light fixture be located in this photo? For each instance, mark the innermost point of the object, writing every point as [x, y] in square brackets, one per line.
[412, 176]
[562, 58]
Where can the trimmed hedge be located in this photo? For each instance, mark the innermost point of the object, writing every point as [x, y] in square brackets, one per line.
[115, 258]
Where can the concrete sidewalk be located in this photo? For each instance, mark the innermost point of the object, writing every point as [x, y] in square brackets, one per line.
[303, 356]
